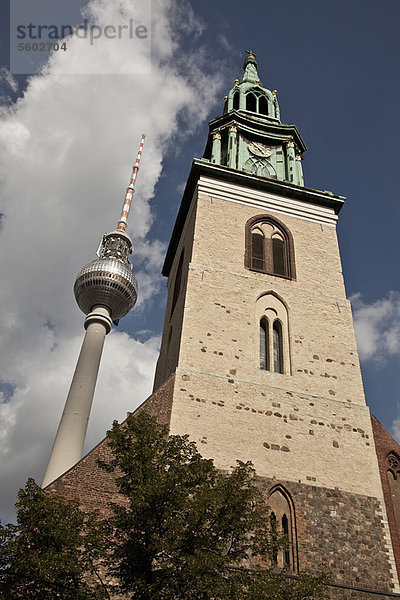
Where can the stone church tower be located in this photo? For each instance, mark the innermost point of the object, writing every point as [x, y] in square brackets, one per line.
[258, 358]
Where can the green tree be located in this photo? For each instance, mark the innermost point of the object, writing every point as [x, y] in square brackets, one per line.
[51, 551]
[179, 530]
[186, 531]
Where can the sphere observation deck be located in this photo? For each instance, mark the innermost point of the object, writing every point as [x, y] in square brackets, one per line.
[108, 280]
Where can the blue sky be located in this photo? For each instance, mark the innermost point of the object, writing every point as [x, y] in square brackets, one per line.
[335, 68]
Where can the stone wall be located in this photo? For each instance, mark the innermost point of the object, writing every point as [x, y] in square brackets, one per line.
[173, 322]
[220, 329]
[341, 533]
[286, 434]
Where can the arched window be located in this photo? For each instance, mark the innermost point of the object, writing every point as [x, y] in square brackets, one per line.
[285, 531]
[273, 342]
[269, 247]
[257, 249]
[236, 100]
[264, 343]
[277, 346]
[274, 535]
[393, 475]
[251, 102]
[266, 364]
[177, 284]
[263, 105]
[284, 518]
[278, 255]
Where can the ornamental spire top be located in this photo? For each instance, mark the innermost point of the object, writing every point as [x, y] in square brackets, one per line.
[250, 137]
[250, 68]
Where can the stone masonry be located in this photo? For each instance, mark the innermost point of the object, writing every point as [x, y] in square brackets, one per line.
[309, 426]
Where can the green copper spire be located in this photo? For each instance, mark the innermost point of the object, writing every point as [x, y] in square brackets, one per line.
[249, 135]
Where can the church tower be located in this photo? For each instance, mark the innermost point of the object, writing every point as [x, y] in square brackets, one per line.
[258, 358]
[259, 339]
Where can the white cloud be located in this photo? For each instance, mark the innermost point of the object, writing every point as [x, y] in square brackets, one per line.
[66, 149]
[377, 326]
[225, 43]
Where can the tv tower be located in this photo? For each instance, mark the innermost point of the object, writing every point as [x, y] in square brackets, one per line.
[105, 290]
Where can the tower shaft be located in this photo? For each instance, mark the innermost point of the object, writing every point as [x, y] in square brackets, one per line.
[70, 437]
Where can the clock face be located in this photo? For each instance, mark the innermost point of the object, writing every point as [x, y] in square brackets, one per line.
[259, 149]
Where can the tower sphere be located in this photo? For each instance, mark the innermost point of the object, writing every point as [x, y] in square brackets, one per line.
[108, 280]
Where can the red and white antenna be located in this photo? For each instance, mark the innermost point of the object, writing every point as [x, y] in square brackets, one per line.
[130, 190]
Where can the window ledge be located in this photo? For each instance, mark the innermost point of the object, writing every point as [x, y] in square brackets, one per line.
[270, 273]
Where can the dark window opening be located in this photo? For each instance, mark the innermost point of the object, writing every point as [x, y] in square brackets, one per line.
[264, 344]
[274, 535]
[251, 102]
[277, 347]
[236, 101]
[278, 256]
[285, 531]
[224, 147]
[263, 105]
[257, 250]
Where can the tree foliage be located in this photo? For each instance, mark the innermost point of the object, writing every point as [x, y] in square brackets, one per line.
[187, 531]
[180, 530]
[49, 553]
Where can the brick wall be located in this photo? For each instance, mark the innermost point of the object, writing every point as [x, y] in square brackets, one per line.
[94, 487]
[385, 445]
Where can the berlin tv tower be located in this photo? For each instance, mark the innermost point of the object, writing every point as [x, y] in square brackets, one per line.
[105, 290]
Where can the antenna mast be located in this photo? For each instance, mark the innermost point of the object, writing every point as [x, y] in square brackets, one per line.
[130, 189]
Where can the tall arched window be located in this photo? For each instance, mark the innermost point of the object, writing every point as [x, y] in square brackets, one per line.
[285, 531]
[277, 346]
[264, 343]
[393, 475]
[273, 352]
[263, 105]
[284, 518]
[271, 355]
[269, 247]
[274, 535]
[236, 96]
[177, 284]
[278, 254]
[257, 249]
[251, 102]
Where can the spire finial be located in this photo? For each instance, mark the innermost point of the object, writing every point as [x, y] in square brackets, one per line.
[250, 68]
